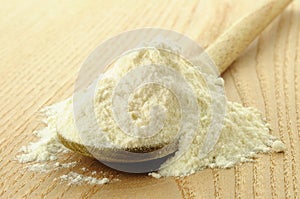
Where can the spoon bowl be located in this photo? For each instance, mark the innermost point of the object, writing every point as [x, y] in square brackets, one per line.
[133, 160]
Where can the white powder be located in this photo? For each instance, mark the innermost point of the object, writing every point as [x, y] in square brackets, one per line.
[46, 167]
[278, 146]
[245, 134]
[66, 165]
[84, 169]
[77, 179]
[154, 175]
[146, 97]
[245, 131]
[44, 149]
[48, 148]
[41, 168]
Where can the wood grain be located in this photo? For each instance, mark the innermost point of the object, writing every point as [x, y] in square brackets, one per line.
[43, 44]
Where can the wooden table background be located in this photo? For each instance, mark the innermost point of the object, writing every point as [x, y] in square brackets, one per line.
[42, 46]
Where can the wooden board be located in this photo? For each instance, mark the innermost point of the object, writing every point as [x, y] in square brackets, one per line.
[42, 46]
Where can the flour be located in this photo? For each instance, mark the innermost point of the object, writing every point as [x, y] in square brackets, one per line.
[245, 134]
[38, 167]
[40, 154]
[154, 175]
[45, 149]
[77, 179]
[245, 131]
[66, 165]
[146, 97]
[84, 169]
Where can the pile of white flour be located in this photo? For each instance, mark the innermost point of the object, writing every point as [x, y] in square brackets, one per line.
[245, 131]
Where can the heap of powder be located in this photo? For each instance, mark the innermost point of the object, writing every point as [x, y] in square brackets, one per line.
[139, 106]
[245, 131]
[146, 97]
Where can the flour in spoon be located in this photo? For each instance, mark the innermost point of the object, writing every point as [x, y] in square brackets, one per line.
[245, 131]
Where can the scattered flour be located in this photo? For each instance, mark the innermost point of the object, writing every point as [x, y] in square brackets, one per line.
[155, 175]
[46, 167]
[47, 149]
[38, 167]
[76, 178]
[84, 169]
[66, 165]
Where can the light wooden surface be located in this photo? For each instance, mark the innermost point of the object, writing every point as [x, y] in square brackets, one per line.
[43, 44]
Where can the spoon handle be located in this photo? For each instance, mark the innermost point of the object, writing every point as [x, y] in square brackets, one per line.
[233, 41]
